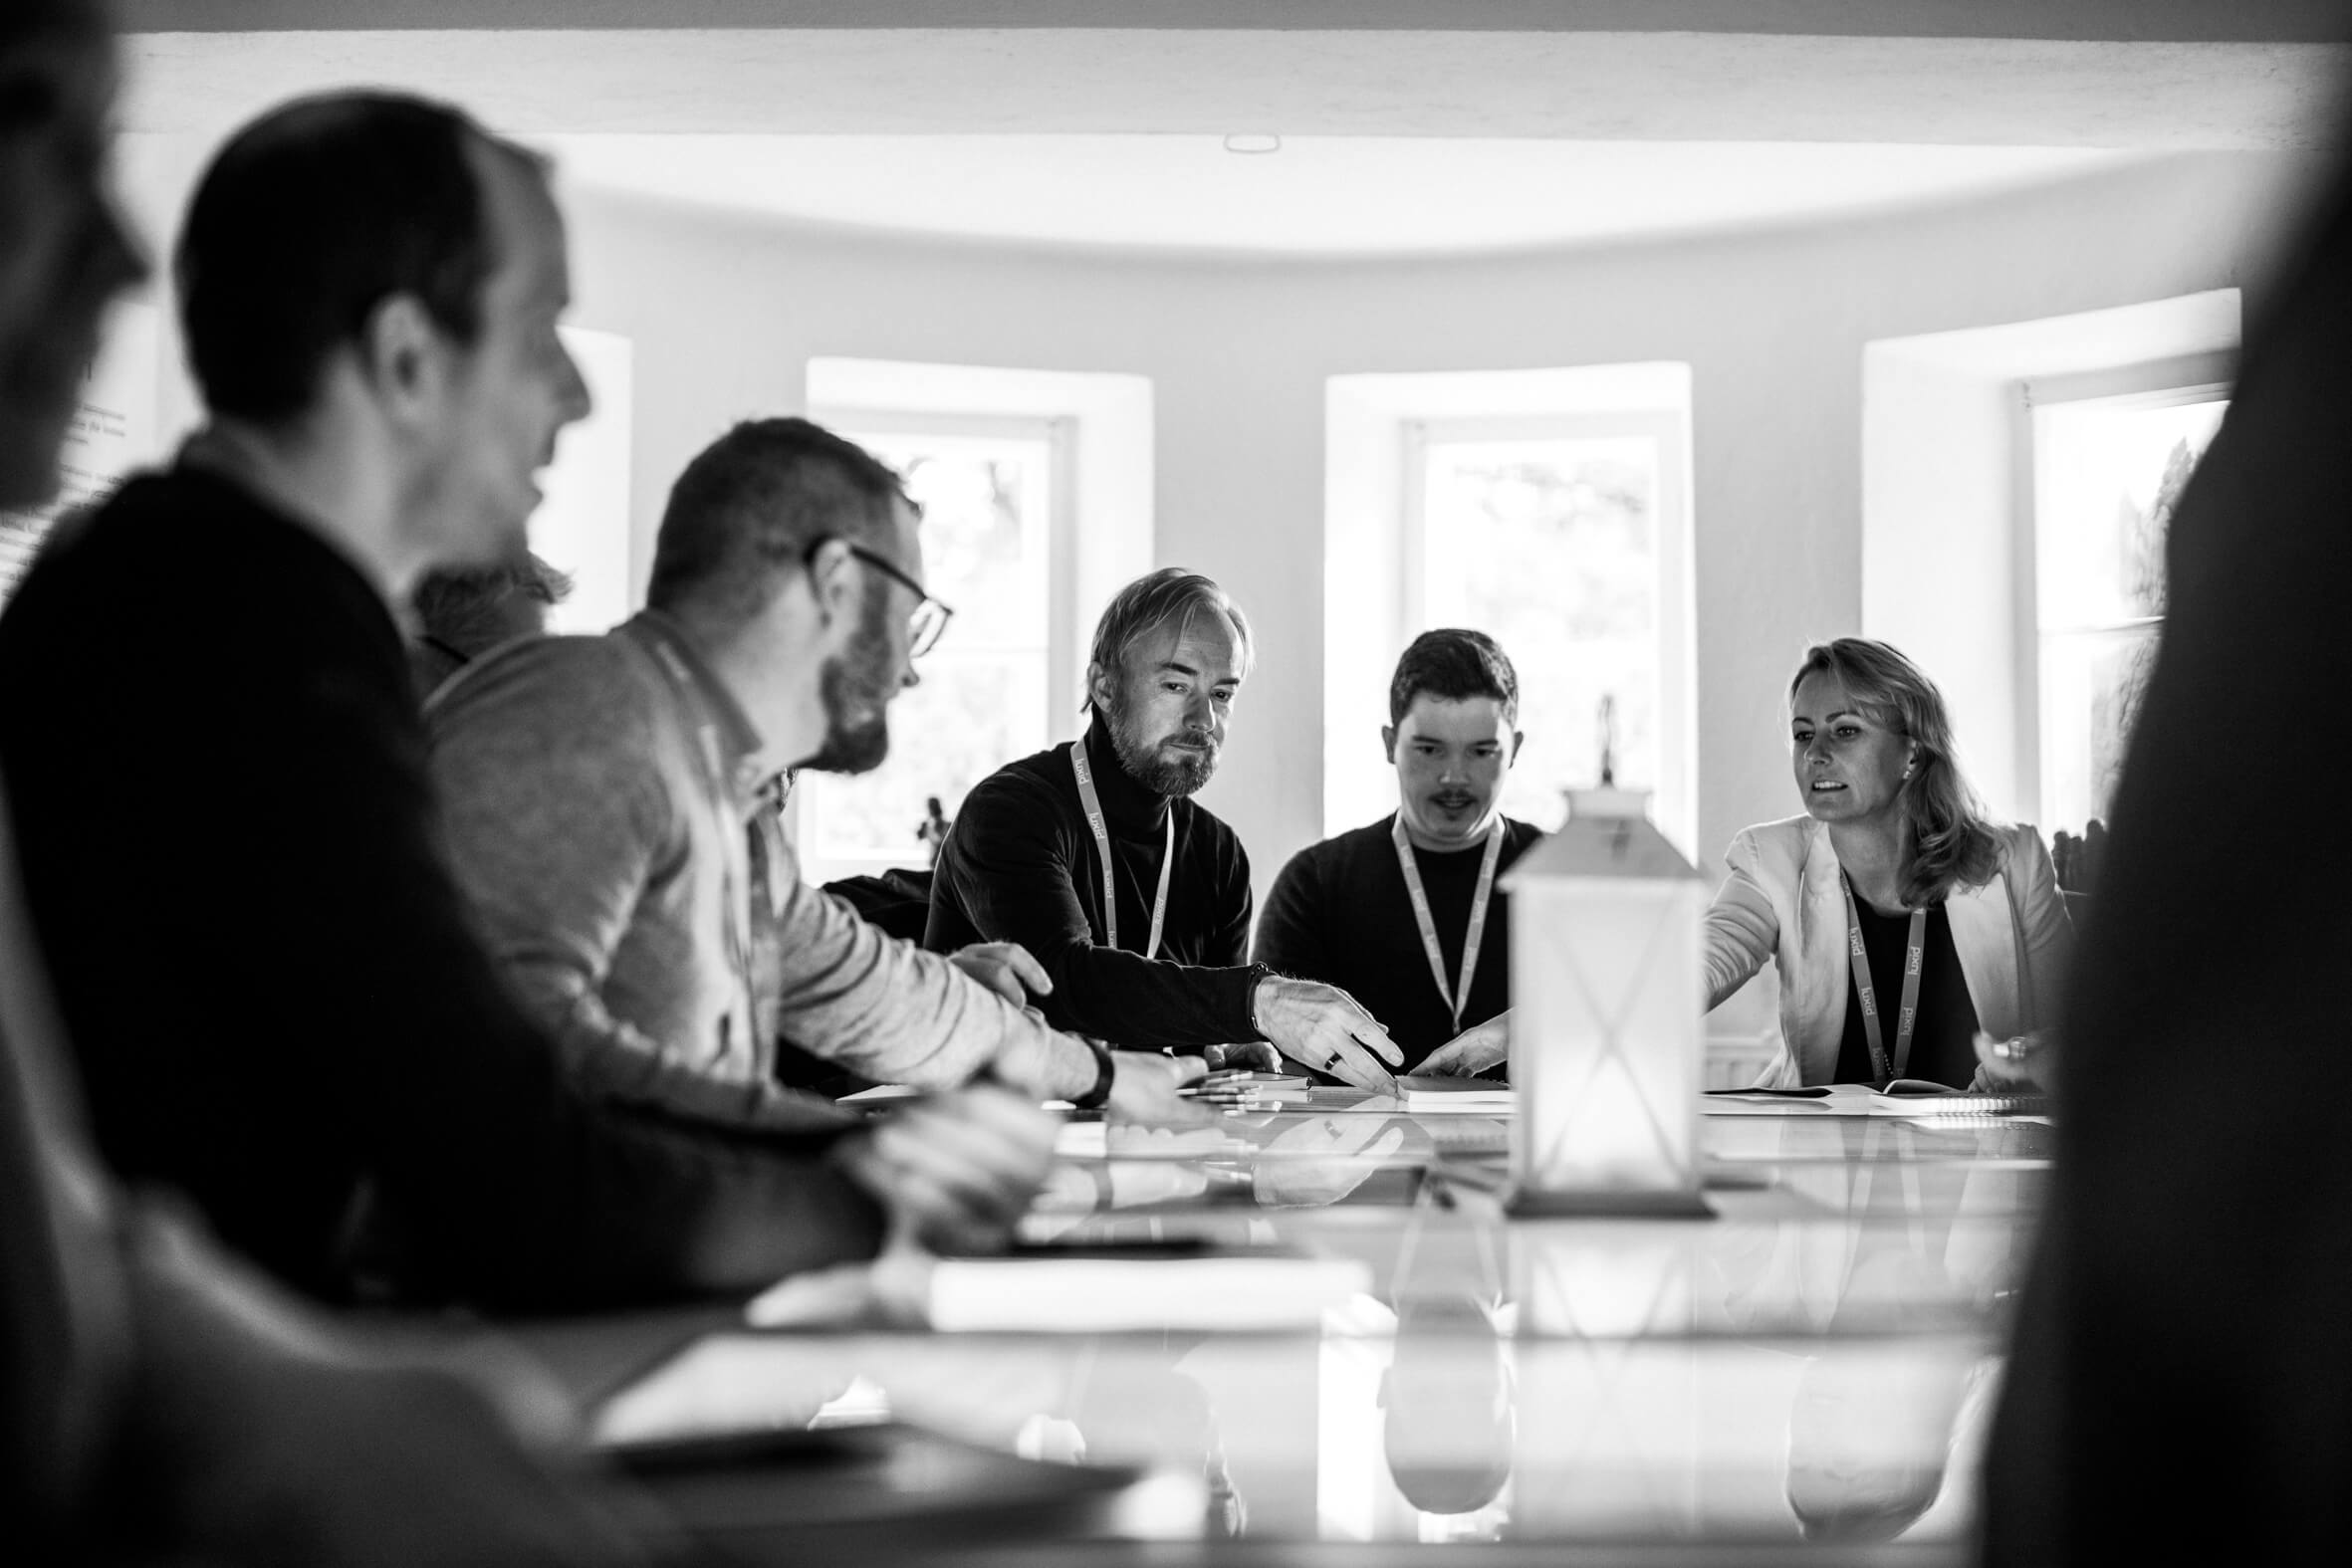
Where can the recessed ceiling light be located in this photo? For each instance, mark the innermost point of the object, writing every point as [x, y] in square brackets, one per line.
[1252, 144]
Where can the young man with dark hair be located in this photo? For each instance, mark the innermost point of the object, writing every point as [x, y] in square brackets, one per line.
[1403, 914]
[602, 795]
[1134, 899]
[314, 1038]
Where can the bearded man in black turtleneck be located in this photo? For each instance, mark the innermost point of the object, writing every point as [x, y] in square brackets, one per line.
[1135, 900]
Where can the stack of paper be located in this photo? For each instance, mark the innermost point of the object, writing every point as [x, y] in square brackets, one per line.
[1432, 1093]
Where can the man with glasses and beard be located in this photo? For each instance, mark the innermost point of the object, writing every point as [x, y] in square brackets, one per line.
[604, 804]
[1134, 899]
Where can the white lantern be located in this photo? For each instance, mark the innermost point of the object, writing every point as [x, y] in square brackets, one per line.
[1606, 1055]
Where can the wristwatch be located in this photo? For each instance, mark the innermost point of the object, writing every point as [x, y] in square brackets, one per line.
[1100, 1096]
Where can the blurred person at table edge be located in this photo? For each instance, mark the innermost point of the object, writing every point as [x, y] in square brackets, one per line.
[327, 1062]
[604, 806]
[158, 1403]
[1404, 914]
[1133, 897]
[1959, 916]
[459, 613]
[2179, 1384]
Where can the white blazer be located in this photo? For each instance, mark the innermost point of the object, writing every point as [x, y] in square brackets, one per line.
[1782, 902]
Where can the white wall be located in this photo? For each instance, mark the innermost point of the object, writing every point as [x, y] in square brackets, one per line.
[725, 314]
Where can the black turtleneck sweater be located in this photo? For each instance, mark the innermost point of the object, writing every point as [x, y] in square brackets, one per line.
[1339, 914]
[1020, 867]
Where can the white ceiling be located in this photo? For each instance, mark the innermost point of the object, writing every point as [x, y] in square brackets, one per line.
[1424, 141]
[1317, 196]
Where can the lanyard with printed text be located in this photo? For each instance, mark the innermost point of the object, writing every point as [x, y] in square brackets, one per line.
[1457, 997]
[1110, 896]
[1914, 952]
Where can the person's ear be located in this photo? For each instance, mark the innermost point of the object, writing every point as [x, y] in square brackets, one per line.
[401, 355]
[832, 584]
[1518, 737]
[1102, 690]
[1388, 743]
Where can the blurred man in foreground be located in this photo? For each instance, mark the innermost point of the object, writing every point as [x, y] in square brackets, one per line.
[604, 800]
[310, 1042]
[1136, 900]
[2180, 1389]
[157, 1403]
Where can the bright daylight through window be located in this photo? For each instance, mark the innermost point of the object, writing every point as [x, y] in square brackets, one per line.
[1549, 540]
[1549, 508]
[2107, 475]
[987, 493]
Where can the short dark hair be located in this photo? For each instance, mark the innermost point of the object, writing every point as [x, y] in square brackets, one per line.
[1452, 663]
[1151, 601]
[310, 218]
[460, 604]
[750, 506]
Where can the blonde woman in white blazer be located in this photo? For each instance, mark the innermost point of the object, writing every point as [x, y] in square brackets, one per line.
[1973, 904]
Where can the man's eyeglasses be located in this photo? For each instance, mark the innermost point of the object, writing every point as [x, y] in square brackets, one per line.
[929, 617]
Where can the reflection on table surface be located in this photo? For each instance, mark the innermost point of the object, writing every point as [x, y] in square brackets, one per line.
[1814, 1364]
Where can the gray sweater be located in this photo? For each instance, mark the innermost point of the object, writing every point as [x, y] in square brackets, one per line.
[600, 793]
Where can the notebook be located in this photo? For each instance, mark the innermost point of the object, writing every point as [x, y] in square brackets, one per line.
[1478, 1096]
[1078, 1289]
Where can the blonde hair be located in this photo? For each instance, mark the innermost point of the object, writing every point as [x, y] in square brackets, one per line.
[1952, 842]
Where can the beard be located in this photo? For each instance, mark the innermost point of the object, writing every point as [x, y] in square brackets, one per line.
[856, 686]
[1168, 776]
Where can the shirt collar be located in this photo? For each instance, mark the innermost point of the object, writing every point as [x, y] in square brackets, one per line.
[1128, 806]
[739, 743]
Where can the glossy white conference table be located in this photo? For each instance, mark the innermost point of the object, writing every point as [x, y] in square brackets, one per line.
[1807, 1375]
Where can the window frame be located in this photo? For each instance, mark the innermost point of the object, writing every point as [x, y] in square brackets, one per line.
[1674, 804]
[1063, 658]
[2169, 382]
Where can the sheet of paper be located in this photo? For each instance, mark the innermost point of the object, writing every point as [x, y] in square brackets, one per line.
[1092, 1295]
[112, 433]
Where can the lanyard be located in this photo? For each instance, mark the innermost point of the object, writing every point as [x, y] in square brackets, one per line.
[1110, 896]
[1458, 996]
[1914, 952]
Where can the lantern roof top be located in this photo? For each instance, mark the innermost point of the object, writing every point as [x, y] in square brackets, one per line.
[1608, 834]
